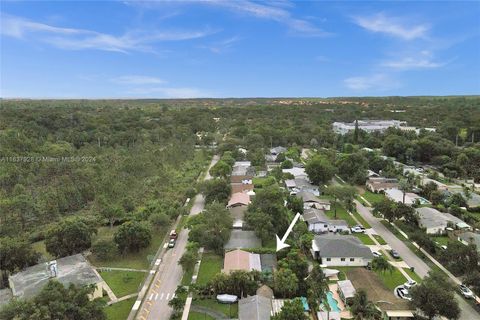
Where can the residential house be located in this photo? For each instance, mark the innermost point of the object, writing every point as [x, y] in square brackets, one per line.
[435, 222]
[256, 307]
[241, 260]
[242, 170]
[72, 269]
[398, 315]
[346, 290]
[243, 186]
[470, 238]
[318, 222]
[312, 201]
[238, 199]
[296, 172]
[380, 184]
[340, 250]
[410, 198]
[301, 184]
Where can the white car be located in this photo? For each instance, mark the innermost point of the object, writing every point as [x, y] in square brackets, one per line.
[466, 292]
[403, 293]
[358, 229]
[409, 284]
[376, 254]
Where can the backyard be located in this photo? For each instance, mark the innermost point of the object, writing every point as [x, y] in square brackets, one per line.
[230, 310]
[123, 283]
[373, 197]
[119, 310]
[211, 265]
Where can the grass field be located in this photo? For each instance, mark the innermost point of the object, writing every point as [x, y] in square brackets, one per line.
[119, 310]
[123, 282]
[363, 222]
[373, 197]
[137, 260]
[379, 239]
[393, 279]
[413, 275]
[342, 214]
[199, 316]
[364, 238]
[441, 240]
[211, 265]
[222, 307]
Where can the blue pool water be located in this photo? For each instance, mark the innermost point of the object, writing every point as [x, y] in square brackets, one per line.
[305, 304]
[332, 302]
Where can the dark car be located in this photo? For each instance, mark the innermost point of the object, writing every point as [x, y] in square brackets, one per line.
[394, 254]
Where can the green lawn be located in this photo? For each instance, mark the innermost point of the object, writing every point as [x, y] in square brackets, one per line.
[199, 316]
[137, 260]
[373, 197]
[392, 280]
[342, 214]
[222, 307]
[413, 275]
[123, 282]
[365, 238]
[441, 240]
[119, 310]
[211, 265]
[379, 239]
[187, 277]
[362, 221]
[342, 275]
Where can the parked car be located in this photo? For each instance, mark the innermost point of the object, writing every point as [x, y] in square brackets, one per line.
[173, 234]
[394, 254]
[376, 254]
[466, 292]
[403, 293]
[409, 284]
[171, 243]
[358, 229]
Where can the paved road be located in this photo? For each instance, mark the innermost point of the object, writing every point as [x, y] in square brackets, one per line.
[169, 274]
[421, 268]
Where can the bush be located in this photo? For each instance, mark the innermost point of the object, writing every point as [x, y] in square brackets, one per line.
[104, 249]
[133, 236]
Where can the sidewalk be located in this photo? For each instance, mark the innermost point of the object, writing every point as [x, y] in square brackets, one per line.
[188, 302]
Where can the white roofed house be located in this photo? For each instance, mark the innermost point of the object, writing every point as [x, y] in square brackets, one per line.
[435, 222]
[312, 201]
[318, 222]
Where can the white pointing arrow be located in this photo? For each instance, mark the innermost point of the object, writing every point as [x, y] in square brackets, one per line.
[281, 243]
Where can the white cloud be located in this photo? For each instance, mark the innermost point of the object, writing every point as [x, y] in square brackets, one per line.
[137, 80]
[78, 39]
[422, 60]
[221, 46]
[392, 26]
[377, 82]
[169, 92]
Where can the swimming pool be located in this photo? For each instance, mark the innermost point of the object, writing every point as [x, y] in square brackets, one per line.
[331, 302]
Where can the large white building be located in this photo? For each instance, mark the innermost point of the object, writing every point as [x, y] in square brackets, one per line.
[367, 125]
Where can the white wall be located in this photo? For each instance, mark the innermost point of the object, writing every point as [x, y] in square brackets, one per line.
[337, 262]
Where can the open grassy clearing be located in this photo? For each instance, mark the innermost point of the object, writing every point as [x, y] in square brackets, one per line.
[120, 310]
[363, 222]
[199, 316]
[123, 283]
[373, 197]
[413, 275]
[365, 238]
[230, 310]
[392, 279]
[379, 239]
[441, 240]
[342, 214]
[211, 265]
[137, 260]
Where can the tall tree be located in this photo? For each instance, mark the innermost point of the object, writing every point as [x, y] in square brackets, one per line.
[319, 170]
[133, 236]
[286, 282]
[362, 308]
[291, 310]
[69, 237]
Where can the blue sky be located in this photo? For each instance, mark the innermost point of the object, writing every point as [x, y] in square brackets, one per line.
[215, 48]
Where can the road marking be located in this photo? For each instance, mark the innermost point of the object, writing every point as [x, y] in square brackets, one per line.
[157, 285]
[156, 296]
[168, 294]
[151, 297]
[136, 305]
[161, 296]
[157, 262]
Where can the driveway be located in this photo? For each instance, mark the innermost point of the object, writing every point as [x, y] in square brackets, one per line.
[421, 268]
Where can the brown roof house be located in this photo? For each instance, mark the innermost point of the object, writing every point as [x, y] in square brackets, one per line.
[241, 260]
[238, 199]
[377, 184]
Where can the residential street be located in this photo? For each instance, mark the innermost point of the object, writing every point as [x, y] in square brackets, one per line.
[421, 268]
[169, 274]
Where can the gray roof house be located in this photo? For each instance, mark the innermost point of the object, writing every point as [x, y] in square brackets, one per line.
[435, 221]
[470, 238]
[72, 269]
[346, 289]
[256, 307]
[318, 221]
[340, 250]
[310, 200]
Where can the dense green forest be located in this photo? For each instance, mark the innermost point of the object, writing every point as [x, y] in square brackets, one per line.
[108, 162]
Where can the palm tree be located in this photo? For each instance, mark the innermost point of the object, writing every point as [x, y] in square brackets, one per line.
[362, 308]
[405, 186]
[382, 265]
